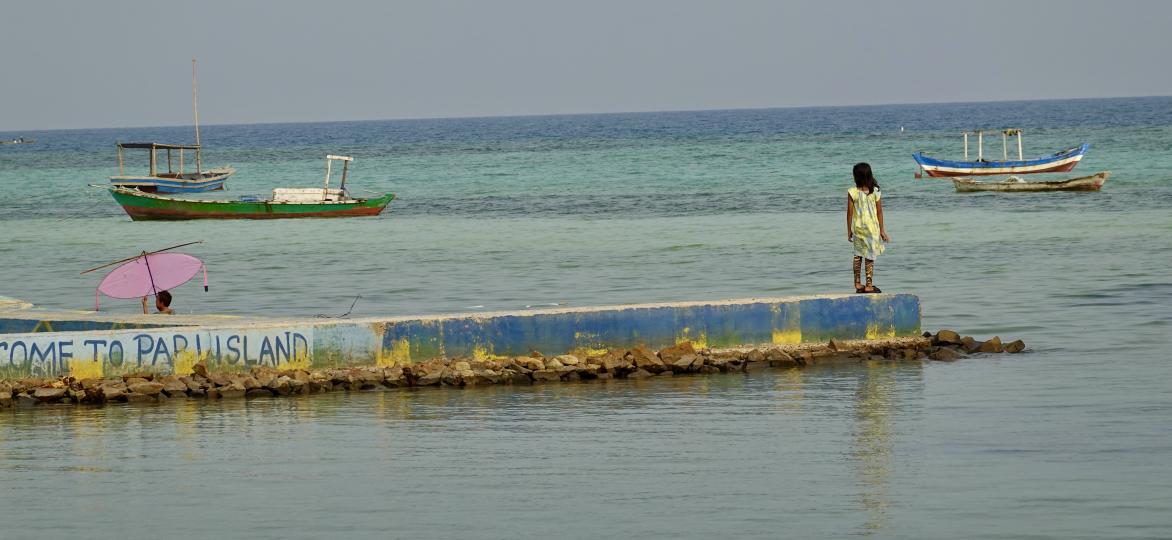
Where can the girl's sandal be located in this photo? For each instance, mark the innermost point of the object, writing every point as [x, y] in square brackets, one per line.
[860, 289]
[874, 290]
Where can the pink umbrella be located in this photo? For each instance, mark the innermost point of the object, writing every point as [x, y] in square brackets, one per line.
[148, 274]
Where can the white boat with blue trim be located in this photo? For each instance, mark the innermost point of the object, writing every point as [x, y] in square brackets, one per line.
[175, 179]
[1061, 161]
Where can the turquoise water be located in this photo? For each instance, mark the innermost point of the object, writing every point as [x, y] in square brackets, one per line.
[1069, 441]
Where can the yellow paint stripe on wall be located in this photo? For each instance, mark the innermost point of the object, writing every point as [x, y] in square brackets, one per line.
[484, 353]
[85, 369]
[185, 360]
[400, 354]
[787, 337]
[584, 345]
[299, 361]
[698, 339]
[880, 331]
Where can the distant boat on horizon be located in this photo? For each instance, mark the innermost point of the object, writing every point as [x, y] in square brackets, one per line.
[18, 140]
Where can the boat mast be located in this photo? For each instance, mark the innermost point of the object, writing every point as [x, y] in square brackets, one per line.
[966, 146]
[195, 112]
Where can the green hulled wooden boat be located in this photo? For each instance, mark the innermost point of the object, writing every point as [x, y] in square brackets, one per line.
[285, 203]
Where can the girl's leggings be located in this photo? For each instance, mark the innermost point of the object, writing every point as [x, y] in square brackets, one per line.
[870, 269]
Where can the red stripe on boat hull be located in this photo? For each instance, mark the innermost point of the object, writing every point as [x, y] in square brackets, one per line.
[138, 213]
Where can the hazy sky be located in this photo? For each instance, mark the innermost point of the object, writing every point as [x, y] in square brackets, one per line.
[128, 63]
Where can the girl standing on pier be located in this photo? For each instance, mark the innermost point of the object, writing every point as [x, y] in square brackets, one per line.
[864, 224]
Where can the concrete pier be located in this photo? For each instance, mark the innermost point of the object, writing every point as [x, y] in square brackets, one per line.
[92, 345]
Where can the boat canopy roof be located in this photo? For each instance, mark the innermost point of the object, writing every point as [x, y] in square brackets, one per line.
[153, 146]
[1007, 131]
[160, 146]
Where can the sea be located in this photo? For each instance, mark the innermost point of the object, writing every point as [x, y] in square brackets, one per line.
[1072, 439]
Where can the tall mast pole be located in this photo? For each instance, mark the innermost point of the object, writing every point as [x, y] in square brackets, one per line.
[195, 111]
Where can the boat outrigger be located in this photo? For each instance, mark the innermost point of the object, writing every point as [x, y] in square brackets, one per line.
[1014, 184]
[173, 181]
[284, 203]
[1062, 161]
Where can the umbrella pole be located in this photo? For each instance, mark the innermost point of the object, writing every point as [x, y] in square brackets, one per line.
[147, 261]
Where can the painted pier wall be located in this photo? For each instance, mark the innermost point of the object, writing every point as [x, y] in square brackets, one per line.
[318, 343]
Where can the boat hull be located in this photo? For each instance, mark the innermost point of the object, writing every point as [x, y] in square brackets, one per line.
[1064, 161]
[1086, 183]
[149, 207]
[189, 183]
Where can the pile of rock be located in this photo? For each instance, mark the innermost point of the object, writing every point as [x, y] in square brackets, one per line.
[636, 363]
[151, 387]
[948, 346]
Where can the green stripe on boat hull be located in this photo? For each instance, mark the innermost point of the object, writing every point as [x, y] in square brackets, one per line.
[146, 208]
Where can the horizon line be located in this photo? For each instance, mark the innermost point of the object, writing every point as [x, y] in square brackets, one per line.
[540, 115]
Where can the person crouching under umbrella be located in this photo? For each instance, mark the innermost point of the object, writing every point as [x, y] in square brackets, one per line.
[162, 303]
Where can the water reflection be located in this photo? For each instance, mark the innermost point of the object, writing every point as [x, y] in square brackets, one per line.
[743, 444]
[790, 390]
[873, 442]
[876, 403]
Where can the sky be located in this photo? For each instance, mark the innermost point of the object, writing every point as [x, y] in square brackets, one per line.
[86, 64]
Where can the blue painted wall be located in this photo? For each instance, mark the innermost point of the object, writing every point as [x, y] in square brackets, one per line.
[713, 325]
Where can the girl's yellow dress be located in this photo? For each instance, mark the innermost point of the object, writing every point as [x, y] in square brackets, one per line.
[865, 224]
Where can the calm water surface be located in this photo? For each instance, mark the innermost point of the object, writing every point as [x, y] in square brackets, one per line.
[1068, 441]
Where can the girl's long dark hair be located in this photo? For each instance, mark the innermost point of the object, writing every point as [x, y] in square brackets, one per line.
[864, 178]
